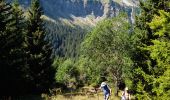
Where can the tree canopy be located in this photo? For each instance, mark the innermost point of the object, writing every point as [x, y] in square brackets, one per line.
[106, 46]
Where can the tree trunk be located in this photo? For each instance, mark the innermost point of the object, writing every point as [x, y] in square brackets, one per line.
[116, 85]
[116, 88]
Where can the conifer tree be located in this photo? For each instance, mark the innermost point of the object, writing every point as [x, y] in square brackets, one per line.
[160, 53]
[38, 50]
[148, 9]
[18, 53]
[3, 53]
[5, 28]
[10, 53]
[144, 71]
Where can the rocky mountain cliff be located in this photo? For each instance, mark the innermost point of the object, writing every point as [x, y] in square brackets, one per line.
[85, 11]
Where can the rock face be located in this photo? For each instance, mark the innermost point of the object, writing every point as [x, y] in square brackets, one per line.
[77, 8]
[85, 10]
[82, 8]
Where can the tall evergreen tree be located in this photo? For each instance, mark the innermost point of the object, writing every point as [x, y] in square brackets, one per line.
[7, 42]
[10, 41]
[160, 53]
[145, 65]
[17, 54]
[3, 53]
[5, 29]
[38, 50]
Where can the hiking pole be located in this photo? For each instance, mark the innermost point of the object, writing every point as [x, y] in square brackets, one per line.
[97, 95]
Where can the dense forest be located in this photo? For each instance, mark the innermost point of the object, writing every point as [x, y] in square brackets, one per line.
[37, 56]
[65, 39]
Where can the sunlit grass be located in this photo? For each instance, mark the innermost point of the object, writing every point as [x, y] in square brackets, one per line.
[82, 97]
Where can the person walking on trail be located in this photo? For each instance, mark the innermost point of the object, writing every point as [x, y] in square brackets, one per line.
[125, 94]
[106, 89]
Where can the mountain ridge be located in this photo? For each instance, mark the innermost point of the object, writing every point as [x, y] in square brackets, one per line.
[84, 12]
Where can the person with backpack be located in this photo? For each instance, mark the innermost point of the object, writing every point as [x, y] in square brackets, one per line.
[105, 88]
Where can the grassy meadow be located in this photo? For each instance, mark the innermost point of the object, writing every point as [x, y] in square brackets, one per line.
[81, 97]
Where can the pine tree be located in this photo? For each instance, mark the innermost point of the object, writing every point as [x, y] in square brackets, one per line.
[38, 50]
[18, 53]
[10, 53]
[159, 52]
[144, 71]
[148, 9]
[5, 28]
[3, 53]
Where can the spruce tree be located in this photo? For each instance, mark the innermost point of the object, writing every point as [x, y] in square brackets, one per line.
[149, 8]
[144, 70]
[3, 53]
[38, 50]
[10, 51]
[160, 53]
[18, 53]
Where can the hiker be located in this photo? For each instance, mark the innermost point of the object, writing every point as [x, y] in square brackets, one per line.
[125, 94]
[106, 89]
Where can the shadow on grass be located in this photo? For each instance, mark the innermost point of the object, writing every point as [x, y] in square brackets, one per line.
[31, 97]
[25, 97]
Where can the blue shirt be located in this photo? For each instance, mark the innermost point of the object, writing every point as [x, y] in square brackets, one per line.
[105, 88]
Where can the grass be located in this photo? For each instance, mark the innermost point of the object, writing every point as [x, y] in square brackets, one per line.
[82, 97]
[85, 93]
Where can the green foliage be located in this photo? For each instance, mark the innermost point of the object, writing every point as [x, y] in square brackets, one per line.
[38, 51]
[65, 38]
[150, 74]
[19, 30]
[11, 54]
[67, 72]
[107, 49]
[6, 29]
[64, 71]
[149, 8]
[89, 72]
[150, 50]
[159, 52]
